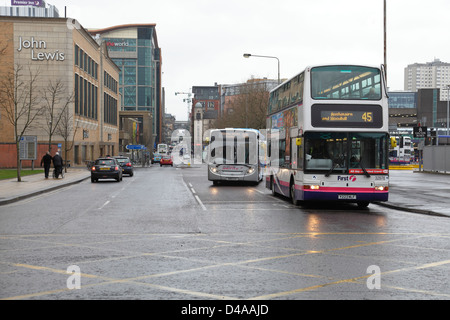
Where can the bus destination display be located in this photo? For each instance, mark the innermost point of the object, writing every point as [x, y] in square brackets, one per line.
[347, 116]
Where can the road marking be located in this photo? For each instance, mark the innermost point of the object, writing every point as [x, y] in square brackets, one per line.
[104, 205]
[355, 280]
[108, 280]
[244, 264]
[200, 202]
[191, 188]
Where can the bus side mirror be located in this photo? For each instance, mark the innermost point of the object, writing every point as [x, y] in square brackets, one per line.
[393, 142]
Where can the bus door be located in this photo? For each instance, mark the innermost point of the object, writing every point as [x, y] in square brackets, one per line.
[294, 148]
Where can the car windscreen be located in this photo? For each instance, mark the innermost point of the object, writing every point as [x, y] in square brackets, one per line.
[105, 162]
[123, 160]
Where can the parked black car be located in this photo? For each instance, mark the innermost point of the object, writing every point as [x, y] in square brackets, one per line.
[106, 168]
[125, 163]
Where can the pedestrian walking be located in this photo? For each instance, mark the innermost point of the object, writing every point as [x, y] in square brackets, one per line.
[47, 162]
[58, 164]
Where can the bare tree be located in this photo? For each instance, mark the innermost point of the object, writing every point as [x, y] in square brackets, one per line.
[67, 130]
[20, 102]
[249, 108]
[56, 102]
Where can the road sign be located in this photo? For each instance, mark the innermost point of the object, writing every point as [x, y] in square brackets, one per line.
[135, 147]
[420, 132]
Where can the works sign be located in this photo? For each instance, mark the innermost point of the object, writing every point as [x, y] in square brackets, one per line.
[38, 50]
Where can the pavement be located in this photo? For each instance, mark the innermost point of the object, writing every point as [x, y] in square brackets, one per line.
[11, 190]
[409, 190]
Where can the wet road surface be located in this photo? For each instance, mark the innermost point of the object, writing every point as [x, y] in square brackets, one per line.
[168, 233]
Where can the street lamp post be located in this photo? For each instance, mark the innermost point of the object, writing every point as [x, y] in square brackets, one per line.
[448, 100]
[248, 55]
[384, 23]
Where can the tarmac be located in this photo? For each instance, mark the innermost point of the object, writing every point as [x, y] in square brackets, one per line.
[409, 189]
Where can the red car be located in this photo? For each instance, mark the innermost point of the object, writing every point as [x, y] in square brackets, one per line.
[166, 160]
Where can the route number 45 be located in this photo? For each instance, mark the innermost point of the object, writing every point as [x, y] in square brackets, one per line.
[367, 117]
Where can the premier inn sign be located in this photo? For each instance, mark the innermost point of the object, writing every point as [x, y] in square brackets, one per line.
[38, 50]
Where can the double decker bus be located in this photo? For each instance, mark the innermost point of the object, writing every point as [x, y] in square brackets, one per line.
[402, 152]
[235, 154]
[327, 130]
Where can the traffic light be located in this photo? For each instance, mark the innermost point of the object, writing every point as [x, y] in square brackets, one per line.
[433, 137]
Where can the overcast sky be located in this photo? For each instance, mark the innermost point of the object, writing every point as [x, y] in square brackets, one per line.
[203, 41]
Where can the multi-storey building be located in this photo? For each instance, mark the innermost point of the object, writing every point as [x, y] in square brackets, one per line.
[209, 99]
[134, 49]
[428, 75]
[402, 109]
[38, 8]
[59, 50]
[411, 109]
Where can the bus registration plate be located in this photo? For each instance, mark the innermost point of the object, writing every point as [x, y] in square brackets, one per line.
[347, 196]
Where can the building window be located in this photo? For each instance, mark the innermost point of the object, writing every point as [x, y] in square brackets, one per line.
[76, 93]
[76, 55]
[110, 107]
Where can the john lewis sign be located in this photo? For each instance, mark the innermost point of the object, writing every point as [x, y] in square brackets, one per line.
[38, 50]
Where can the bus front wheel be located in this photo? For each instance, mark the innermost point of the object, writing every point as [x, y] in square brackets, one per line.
[272, 186]
[363, 204]
[294, 201]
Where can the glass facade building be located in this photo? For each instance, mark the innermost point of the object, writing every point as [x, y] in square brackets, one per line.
[402, 100]
[134, 49]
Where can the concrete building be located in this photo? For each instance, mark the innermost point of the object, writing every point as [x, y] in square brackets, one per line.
[205, 108]
[409, 109]
[169, 127]
[136, 129]
[402, 109]
[61, 51]
[20, 8]
[428, 75]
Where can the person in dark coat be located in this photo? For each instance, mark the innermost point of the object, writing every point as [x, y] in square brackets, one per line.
[58, 164]
[47, 162]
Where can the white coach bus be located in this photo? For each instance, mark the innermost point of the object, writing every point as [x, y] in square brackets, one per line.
[235, 154]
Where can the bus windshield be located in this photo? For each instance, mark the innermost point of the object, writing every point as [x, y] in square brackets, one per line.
[345, 83]
[233, 147]
[346, 152]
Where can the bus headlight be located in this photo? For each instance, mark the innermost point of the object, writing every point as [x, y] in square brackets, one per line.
[311, 187]
[250, 171]
[381, 188]
[213, 169]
